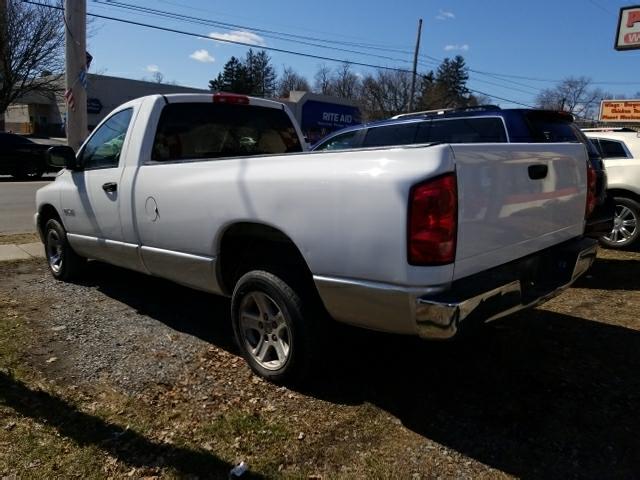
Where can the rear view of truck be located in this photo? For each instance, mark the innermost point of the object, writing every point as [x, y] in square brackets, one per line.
[520, 214]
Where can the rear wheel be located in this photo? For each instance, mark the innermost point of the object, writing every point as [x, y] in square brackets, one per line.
[63, 262]
[269, 327]
[625, 224]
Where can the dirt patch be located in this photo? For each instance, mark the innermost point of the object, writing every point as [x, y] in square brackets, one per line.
[18, 238]
[125, 374]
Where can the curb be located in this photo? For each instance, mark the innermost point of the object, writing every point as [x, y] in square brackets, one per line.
[24, 251]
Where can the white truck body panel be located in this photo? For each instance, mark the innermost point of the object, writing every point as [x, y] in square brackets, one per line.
[345, 211]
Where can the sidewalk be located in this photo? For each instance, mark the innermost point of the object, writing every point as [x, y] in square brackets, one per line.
[24, 251]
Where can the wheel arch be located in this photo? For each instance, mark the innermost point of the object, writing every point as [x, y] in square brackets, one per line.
[46, 212]
[621, 192]
[247, 244]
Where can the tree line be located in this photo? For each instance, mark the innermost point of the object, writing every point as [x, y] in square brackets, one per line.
[380, 94]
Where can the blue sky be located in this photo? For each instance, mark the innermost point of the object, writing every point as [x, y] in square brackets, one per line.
[542, 39]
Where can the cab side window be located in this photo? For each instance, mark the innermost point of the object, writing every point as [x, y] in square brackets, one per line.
[391, 135]
[612, 149]
[339, 142]
[105, 145]
[463, 130]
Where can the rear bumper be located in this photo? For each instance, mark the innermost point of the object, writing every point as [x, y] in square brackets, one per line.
[504, 290]
[441, 312]
[600, 222]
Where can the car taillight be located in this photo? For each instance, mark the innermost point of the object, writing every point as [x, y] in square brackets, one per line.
[232, 98]
[433, 221]
[591, 190]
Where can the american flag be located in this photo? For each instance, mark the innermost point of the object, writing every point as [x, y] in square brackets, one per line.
[68, 96]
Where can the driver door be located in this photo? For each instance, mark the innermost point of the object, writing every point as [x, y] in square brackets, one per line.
[91, 204]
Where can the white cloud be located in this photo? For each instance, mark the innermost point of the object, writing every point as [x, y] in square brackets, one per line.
[445, 15]
[152, 68]
[202, 56]
[239, 36]
[463, 48]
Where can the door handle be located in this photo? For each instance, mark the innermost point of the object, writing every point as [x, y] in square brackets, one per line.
[537, 172]
[110, 187]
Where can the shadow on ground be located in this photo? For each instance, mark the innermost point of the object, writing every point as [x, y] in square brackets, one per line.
[127, 446]
[540, 395]
[612, 274]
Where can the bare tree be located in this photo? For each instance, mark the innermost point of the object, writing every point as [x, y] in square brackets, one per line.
[31, 51]
[323, 80]
[157, 77]
[573, 95]
[290, 81]
[385, 94]
[346, 84]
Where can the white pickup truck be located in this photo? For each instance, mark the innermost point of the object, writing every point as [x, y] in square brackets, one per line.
[216, 192]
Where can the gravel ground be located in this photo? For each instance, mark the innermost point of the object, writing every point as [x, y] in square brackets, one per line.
[550, 393]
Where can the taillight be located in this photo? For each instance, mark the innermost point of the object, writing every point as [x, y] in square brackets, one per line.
[433, 221]
[591, 189]
[232, 98]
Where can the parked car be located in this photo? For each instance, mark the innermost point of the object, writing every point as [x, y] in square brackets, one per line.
[481, 124]
[23, 158]
[217, 194]
[620, 149]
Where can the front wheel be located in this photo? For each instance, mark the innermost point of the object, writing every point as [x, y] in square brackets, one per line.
[269, 327]
[63, 262]
[625, 224]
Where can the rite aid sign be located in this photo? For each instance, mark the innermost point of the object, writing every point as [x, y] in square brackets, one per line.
[628, 35]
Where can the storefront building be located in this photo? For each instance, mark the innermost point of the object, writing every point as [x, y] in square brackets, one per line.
[319, 115]
[45, 115]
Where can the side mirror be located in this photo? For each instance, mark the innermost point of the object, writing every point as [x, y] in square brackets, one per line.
[62, 157]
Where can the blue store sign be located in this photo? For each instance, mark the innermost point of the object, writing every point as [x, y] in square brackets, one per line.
[328, 115]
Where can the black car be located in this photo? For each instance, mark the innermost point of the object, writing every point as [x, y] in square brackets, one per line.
[482, 124]
[22, 158]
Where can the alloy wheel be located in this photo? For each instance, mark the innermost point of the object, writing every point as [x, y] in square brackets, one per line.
[624, 225]
[264, 330]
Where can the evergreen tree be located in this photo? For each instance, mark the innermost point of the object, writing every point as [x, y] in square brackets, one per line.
[233, 78]
[447, 87]
[261, 75]
[253, 76]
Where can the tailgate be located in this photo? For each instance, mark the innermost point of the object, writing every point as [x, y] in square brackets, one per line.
[516, 199]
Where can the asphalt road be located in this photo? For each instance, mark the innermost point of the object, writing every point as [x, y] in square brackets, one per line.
[17, 204]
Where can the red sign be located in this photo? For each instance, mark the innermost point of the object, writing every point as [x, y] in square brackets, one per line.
[628, 33]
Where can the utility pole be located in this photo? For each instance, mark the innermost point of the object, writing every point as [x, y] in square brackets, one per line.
[4, 28]
[75, 18]
[415, 67]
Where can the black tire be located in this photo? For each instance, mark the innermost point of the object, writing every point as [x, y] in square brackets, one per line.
[30, 170]
[627, 210]
[281, 299]
[64, 264]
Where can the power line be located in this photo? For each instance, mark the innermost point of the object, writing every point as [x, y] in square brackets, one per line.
[307, 40]
[225, 40]
[267, 33]
[405, 49]
[274, 49]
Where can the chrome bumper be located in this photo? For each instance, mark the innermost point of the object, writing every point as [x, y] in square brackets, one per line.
[441, 311]
[442, 319]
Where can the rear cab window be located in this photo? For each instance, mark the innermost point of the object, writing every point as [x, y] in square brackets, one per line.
[192, 131]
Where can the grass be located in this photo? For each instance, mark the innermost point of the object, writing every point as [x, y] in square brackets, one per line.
[18, 238]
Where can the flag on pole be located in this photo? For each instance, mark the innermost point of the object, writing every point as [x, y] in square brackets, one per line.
[82, 78]
[68, 96]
